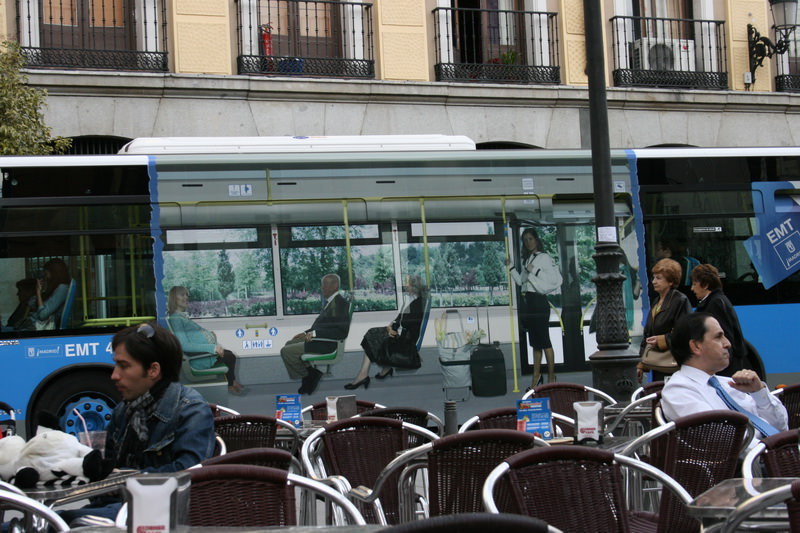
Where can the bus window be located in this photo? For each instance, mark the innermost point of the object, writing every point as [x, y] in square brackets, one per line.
[228, 271]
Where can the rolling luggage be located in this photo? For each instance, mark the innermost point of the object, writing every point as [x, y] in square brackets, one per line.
[454, 356]
[488, 367]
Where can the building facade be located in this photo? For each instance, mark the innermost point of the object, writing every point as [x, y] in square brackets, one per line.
[499, 71]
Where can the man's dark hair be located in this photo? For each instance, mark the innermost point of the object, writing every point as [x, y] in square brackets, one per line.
[691, 327]
[150, 343]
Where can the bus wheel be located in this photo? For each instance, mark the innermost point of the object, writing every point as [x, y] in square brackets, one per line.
[91, 393]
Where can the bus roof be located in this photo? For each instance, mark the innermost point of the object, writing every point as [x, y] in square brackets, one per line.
[350, 143]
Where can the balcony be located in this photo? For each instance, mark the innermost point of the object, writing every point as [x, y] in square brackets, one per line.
[661, 52]
[94, 34]
[305, 38]
[788, 65]
[497, 46]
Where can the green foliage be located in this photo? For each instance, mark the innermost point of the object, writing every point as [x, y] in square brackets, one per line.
[509, 58]
[22, 127]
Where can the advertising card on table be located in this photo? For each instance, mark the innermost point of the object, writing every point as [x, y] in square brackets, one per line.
[534, 416]
[288, 407]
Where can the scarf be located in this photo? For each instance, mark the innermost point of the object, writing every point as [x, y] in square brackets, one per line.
[138, 412]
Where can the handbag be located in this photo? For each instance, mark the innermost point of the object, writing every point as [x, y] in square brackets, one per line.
[658, 360]
[400, 353]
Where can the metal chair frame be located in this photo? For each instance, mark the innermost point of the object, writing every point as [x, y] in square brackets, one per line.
[314, 463]
[509, 415]
[781, 445]
[787, 493]
[36, 517]
[629, 463]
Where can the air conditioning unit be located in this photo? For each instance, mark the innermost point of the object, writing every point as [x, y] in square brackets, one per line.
[664, 54]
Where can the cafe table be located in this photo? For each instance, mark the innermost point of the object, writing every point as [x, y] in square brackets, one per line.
[715, 505]
[56, 495]
[368, 528]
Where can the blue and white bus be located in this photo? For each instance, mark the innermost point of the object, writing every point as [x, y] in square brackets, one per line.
[250, 225]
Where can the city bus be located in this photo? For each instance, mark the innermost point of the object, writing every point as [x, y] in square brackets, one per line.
[250, 225]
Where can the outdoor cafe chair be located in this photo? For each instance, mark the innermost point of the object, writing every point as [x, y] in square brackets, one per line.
[774, 456]
[271, 457]
[647, 389]
[354, 451]
[319, 410]
[257, 496]
[790, 494]
[623, 424]
[790, 396]
[573, 488]
[562, 395]
[457, 466]
[506, 418]
[29, 515]
[413, 415]
[698, 451]
[253, 431]
[474, 523]
[220, 410]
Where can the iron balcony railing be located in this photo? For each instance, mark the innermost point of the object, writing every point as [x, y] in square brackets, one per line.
[94, 34]
[663, 52]
[305, 38]
[492, 45]
[788, 65]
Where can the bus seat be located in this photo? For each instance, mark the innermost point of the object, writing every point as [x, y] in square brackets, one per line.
[193, 374]
[335, 356]
[63, 322]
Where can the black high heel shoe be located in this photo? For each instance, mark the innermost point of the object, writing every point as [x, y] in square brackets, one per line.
[354, 386]
[384, 375]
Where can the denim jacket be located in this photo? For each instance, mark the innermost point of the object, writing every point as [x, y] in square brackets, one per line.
[181, 431]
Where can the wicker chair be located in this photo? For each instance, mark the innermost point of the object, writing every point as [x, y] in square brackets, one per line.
[220, 410]
[412, 415]
[563, 395]
[506, 418]
[775, 456]
[474, 523]
[255, 496]
[353, 452]
[646, 389]
[698, 451]
[788, 493]
[253, 431]
[271, 457]
[457, 466]
[790, 396]
[574, 488]
[319, 410]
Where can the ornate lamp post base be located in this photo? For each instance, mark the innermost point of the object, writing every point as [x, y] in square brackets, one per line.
[614, 372]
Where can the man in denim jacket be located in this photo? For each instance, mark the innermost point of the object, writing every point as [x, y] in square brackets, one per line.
[160, 426]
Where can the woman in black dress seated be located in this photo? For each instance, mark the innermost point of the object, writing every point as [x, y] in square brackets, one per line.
[400, 335]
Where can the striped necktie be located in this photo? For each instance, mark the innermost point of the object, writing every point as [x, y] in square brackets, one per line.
[759, 423]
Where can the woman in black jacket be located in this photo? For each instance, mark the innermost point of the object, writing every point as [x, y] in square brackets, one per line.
[401, 334]
[707, 286]
[666, 310]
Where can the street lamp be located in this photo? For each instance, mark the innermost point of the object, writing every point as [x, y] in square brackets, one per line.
[784, 14]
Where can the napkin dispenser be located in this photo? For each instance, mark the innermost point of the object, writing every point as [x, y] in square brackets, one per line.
[588, 422]
[158, 503]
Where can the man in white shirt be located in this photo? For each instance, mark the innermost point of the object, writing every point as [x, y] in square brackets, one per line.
[701, 349]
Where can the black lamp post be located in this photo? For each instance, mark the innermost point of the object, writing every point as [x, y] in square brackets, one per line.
[613, 365]
[784, 14]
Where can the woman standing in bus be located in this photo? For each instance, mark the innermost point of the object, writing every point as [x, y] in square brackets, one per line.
[197, 340]
[51, 294]
[667, 309]
[538, 276]
[707, 286]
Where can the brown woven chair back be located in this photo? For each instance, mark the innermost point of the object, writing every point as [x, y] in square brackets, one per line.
[359, 449]
[573, 488]
[653, 386]
[319, 411]
[499, 418]
[241, 496]
[271, 457]
[472, 523]
[246, 431]
[781, 457]
[412, 415]
[793, 506]
[459, 464]
[791, 399]
[562, 396]
[700, 452]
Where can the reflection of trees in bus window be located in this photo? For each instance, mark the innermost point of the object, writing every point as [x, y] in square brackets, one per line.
[228, 271]
[310, 252]
[466, 262]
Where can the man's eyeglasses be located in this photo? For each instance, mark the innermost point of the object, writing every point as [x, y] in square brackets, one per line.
[146, 330]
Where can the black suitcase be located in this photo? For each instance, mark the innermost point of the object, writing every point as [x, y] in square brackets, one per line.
[487, 366]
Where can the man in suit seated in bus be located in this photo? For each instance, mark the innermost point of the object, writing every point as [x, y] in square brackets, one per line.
[333, 322]
[160, 425]
[701, 350]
